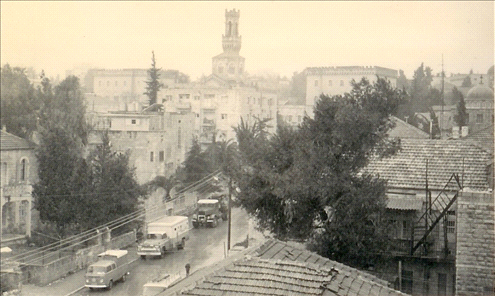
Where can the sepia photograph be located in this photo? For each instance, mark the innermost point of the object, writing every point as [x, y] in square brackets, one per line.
[247, 148]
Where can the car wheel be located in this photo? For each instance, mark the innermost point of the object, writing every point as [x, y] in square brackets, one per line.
[124, 278]
[183, 242]
[110, 285]
[143, 257]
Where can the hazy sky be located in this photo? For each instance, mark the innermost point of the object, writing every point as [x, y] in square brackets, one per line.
[277, 35]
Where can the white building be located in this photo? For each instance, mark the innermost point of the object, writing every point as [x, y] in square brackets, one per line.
[337, 80]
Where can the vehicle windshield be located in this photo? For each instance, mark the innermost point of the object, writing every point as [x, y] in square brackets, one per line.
[207, 206]
[97, 269]
[156, 236]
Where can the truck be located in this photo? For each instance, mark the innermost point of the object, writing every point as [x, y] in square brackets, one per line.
[160, 284]
[164, 235]
[111, 266]
[208, 213]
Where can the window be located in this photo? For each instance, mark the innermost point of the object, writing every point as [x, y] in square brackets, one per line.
[450, 226]
[196, 98]
[133, 121]
[341, 82]
[179, 138]
[329, 82]
[224, 116]
[479, 118]
[151, 156]
[407, 281]
[467, 118]
[442, 284]
[316, 82]
[161, 156]
[23, 169]
[4, 173]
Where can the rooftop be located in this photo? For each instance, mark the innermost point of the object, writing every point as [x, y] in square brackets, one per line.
[277, 268]
[407, 168]
[9, 141]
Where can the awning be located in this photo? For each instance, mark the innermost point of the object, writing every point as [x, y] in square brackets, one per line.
[404, 203]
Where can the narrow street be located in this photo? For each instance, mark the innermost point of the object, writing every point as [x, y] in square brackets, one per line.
[205, 246]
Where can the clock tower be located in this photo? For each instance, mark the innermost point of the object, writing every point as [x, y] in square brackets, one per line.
[229, 65]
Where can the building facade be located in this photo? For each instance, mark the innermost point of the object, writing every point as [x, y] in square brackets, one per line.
[479, 106]
[220, 101]
[426, 180]
[337, 80]
[229, 65]
[157, 141]
[19, 173]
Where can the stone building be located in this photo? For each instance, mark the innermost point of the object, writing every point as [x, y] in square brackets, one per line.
[157, 140]
[222, 99]
[229, 65]
[19, 173]
[479, 106]
[426, 185]
[337, 80]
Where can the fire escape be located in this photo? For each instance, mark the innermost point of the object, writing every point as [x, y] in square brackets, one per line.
[435, 211]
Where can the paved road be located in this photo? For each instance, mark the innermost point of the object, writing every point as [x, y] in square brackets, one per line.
[205, 246]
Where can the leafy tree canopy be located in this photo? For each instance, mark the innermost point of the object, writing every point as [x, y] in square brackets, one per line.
[19, 103]
[307, 184]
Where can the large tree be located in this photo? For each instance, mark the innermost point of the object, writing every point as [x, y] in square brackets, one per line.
[153, 85]
[111, 190]
[461, 116]
[308, 184]
[63, 134]
[19, 103]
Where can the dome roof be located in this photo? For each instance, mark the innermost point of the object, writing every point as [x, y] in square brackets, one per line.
[480, 91]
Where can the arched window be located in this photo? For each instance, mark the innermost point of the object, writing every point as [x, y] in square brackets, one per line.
[229, 32]
[24, 168]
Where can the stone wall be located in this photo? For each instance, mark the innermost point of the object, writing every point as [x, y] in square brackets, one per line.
[43, 274]
[475, 256]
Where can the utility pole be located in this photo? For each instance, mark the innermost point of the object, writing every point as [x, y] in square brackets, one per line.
[441, 114]
[230, 214]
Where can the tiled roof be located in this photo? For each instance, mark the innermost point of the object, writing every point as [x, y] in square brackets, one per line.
[407, 168]
[277, 268]
[483, 138]
[10, 142]
[404, 130]
[256, 276]
[274, 249]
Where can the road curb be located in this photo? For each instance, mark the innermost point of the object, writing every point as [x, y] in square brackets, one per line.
[75, 291]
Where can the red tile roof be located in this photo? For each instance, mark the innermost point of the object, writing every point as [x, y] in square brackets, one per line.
[407, 168]
[11, 142]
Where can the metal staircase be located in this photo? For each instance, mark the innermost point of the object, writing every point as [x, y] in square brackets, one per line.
[435, 211]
